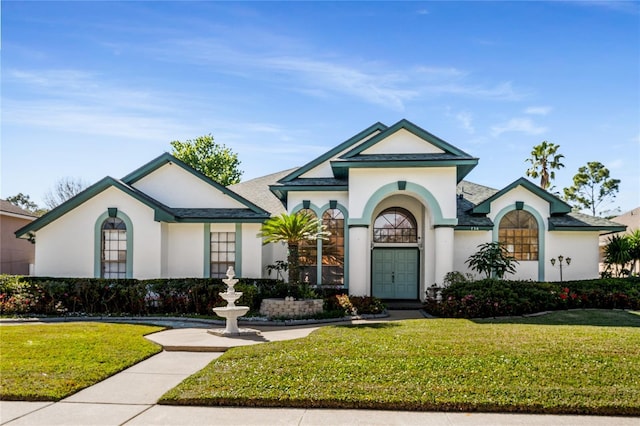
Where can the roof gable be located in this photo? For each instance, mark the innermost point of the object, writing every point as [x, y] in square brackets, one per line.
[161, 212]
[556, 205]
[404, 145]
[399, 131]
[354, 140]
[154, 166]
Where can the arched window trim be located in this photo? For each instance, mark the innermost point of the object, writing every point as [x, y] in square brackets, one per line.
[541, 234]
[344, 238]
[410, 217]
[319, 211]
[97, 263]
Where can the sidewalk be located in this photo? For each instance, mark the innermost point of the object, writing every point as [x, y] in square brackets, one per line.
[129, 397]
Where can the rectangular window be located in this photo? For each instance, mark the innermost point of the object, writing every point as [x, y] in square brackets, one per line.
[114, 254]
[223, 253]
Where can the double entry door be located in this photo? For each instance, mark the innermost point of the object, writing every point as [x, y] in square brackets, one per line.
[394, 273]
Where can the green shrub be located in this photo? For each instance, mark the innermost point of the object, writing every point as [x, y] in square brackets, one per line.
[491, 297]
[364, 305]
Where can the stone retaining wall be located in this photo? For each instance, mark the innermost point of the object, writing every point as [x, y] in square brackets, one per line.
[290, 308]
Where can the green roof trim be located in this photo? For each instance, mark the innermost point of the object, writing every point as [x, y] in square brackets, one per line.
[161, 212]
[166, 158]
[556, 205]
[377, 127]
[412, 128]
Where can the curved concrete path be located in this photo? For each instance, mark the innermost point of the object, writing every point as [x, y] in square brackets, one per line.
[129, 397]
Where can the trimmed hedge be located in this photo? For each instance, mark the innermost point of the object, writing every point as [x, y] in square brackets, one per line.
[20, 295]
[492, 297]
[93, 296]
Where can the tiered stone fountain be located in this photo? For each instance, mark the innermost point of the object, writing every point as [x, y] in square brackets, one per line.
[231, 312]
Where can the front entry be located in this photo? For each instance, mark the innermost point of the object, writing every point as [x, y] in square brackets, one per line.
[395, 273]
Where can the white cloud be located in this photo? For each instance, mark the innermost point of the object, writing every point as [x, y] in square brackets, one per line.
[466, 121]
[538, 110]
[303, 70]
[523, 125]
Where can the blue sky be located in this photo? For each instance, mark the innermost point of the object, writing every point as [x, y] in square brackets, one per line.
[91, 89]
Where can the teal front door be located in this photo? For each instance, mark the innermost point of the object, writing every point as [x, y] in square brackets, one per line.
[394, 273]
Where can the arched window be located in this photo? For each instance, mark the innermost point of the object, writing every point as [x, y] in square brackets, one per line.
[113, 249]
[308, 256]
[518, 231]
[395, 225]
[333, 247]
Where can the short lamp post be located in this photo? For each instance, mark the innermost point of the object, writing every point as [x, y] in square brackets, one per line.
[561, 259]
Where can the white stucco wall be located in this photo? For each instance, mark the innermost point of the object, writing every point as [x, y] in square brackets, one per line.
[66, 247]
[519, 194]
[439, 181]
[185, 250]
[403, 142]
[581, 247]
[252, 264]
[270, 254]
[190, 191]
[466, 243]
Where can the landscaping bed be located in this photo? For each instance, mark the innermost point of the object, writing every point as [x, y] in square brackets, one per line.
[465, 298]
[48, 362]
[440, 364]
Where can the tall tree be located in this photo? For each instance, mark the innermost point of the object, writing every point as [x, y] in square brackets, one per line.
[64, 189]
[24, 202]
[592, 186]
[292, 229]
[212, 159]
[544, 161]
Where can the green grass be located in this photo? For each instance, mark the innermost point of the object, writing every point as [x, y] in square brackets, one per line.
[597, 317]
[440, 364]
[49, 362]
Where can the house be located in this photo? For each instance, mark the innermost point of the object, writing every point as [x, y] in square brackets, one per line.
[16, 256]
[631, 220]
[395, 199]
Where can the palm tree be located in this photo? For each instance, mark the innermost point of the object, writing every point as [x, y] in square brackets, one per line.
[544, 161]
[617, 254]
[292, 229]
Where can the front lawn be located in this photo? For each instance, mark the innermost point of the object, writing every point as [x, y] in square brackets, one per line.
[51, 361]
[440, 364]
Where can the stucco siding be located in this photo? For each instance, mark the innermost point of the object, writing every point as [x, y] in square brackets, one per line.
[15, 254]
[466, 244]
[439, 181]
[251, 251]
[66, 247]
[185, 250]
[509, 199]
[581, 247]
[190, 191]
[403, 142]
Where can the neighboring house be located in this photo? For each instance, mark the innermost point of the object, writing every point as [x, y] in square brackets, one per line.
[395, 200]
[631, 220]
[16, 255]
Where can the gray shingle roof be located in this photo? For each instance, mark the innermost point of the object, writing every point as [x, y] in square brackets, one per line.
[216, 214]
[576, 220]
[257, 191]
[6, 206]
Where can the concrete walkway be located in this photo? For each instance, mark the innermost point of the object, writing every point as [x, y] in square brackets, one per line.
[129, 397]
